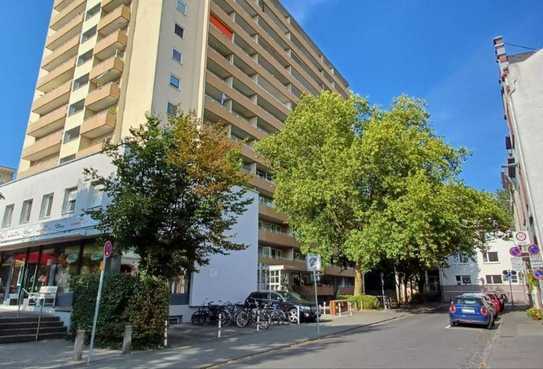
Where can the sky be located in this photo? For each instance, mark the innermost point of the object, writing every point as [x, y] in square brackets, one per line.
[438, 50]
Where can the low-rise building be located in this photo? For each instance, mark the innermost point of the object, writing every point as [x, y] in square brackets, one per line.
[484, 273]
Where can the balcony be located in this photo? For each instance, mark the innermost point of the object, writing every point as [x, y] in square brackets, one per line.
[61, 55]
[262, 185]
[110, 45]
[271, 214]
[65, 34]
[276, 238]
[48, 123]
[114, 21]
[64, 16]
[103, 97]
[109, 5]
[60, 5]
[57, 77]
[309, 290]
[107, 71]
[90, 150]
[99, 124]
[44, 147]
[52, 100]
[288, 264]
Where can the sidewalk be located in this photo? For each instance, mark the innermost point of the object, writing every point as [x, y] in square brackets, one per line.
[517, 343]
[202, 350]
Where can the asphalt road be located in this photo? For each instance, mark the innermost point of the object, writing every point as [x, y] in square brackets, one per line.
[422, 341]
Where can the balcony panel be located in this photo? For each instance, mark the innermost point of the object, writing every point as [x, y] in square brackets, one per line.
[107, 71]
[52, 100]
[271, 214]
[46, 146]
[262, 185]
[64, 16]
[114, 21]
[110, 45]
[65, 34]
[57, 77]
[99, 124]
[294, 265]
[276, 238]
[61, 55]
[103, 97]
[48, 123]
[109, 5]
[60, 5]
[93, 149]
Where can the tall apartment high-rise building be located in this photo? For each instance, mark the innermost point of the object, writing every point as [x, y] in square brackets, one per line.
[521, 82]
[108, 63]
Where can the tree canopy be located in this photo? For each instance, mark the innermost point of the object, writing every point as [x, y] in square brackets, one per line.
[370, 186]
[175, 193]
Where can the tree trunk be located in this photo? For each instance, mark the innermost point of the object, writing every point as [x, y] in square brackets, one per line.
[537, 297]
[405, 279]
[358, 280]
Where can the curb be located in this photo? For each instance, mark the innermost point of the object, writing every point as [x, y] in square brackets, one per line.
[297, 343]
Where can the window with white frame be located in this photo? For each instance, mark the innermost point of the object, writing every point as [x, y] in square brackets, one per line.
[88, 34]
[96, 194]
[81, 82]
[174, 82]
[171, 109]
[463, 280]
[182, 6]
[93, 11]
[83, 58]
[177, 56]
[46, 205]
[26, 210]
[460, 258]
[71, 134]
[70, 198]
[8, 215]
[494, 279]
[490, 257]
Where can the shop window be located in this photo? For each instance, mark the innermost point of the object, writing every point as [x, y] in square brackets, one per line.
[66, 267]
[92, 257]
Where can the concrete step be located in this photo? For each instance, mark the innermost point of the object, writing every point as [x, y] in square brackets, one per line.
[30, 337]
[28, 319]
[34, 324]
[32, 330]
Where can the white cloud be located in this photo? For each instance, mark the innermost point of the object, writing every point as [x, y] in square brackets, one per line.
[301, 9]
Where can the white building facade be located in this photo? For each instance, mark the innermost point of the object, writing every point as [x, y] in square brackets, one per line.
[485, 273]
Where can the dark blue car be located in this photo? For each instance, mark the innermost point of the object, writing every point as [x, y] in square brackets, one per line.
[471, 310]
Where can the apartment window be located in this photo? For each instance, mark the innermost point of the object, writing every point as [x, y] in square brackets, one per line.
[88, 34]
[494, 279]
[174, 82]
[70, 197]
[177, 56]
[463, 280]
[264, 174]
[25, 212]
[171, 109]
[8, 214]
[514, 277]
[93, 11]
[67, 159]
[460, 258]
[76, 107]
[490, 257]
[71, 134]
[266, 201]
[83, 58]
[96, 194]
[182, 7]
[46, 205]
[81, 81]
[179, 31]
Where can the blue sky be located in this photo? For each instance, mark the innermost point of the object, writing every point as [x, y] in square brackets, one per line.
[438, 50]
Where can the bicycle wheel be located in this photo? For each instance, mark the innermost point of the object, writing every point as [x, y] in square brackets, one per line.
[198, 318]
[278, 316]
[265, 319]
[242, 319]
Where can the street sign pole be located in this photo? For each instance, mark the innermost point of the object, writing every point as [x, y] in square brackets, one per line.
[383, 290]
[107, 253]
[511, 288]
[316, 302]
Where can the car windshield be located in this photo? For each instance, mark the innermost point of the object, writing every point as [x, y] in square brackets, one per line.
[468, 301]
[292, 297]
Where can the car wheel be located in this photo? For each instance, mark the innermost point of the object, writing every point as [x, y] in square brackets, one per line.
[454, 324]
[490, 324]
[293, 316]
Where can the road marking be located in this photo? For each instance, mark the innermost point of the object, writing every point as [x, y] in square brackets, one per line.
[447, 327]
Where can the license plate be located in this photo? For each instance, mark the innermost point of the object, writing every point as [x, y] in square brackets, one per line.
[468, 310]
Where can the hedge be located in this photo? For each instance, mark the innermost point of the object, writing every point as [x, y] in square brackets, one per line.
[367, 302]
[137, 300]
[535, 313]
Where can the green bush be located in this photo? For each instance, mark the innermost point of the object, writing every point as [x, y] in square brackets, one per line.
[137, 300]
[534, 313]
[366, 302]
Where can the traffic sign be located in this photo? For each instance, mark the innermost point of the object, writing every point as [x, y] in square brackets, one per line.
[108, 249]
[313, 262]
[515, 251]
[538, 274]
[521, 238]
[533, 249]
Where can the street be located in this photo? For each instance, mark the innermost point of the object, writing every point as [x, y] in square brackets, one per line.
[420, 341]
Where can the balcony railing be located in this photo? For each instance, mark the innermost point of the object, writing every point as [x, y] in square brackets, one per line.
[99, 124]
[108, 46]
[114, 21]
[57, 77]
[103, 97]
[44, 147]
[48, 123]
[52, 100]
[61, 55]
[64, 34]
[109, 5]
[64, 16]
[270, 237]
[107, 71]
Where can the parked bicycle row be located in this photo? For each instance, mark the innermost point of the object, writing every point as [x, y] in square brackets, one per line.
[259, 308]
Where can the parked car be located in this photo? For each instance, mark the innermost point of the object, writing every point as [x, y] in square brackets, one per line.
[497, 301]
[471, 309]
[494, 305]
[289, 302]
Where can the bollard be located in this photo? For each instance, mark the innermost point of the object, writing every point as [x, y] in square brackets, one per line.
[298, 314]
[324, 308]
[166, 333]
[258, 320]
[220, 326]
[127, 338]
[350, 308]
[78, 345]
[339, 303]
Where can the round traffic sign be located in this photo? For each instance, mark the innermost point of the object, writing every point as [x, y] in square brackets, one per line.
[108, 249]
[521, 236]
[515, 251]
[533, 249]
[538, 274]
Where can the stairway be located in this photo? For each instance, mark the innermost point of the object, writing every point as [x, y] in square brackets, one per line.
[23, 329]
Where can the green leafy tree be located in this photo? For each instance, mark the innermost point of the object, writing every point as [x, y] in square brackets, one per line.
[175, 193]
[372, 186]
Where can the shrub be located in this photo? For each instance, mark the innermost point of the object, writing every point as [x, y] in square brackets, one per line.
[137, 300]
[534, 313]
[367, 302]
